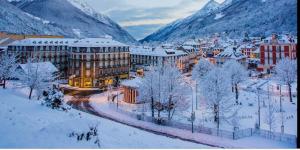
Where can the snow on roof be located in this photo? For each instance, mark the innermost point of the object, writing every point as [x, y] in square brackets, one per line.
[187, 47]
[87, 42]
[190, 42]
[158, 51]
[229, 52]
[41, 67]
[281, 39]
[257, 50]
[5, 41]
[246, 45]
[132, 83]
[96, 42]
[42, 42]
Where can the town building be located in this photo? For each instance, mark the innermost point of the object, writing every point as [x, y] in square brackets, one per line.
[191, 59]
[231, 53]
[275, 48]
[97, 62]
[141, 57]
[248, 49]
[54, 50]
[130, 90]
[94, 62]
[194, 43]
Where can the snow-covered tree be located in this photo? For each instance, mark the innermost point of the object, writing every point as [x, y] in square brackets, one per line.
[201, 69]
[215, 88]
[286, 73]
[148, 88]
[270, 117]
[54, 98]
[237, 73]
[163, 87]
[174, 89]
[36, 78]
[8, 65]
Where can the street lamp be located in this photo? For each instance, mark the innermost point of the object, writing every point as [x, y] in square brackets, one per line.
[281, 111]
[193, 116]
[117, 100]
[258, 102]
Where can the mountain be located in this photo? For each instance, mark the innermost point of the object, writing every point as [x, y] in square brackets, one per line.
[74, 17]
[14, 20]
[233, 17]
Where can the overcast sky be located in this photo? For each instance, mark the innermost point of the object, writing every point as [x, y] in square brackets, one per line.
[142, 17]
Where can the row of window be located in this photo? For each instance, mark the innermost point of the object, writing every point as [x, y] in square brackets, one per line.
[38, 48]
[103, 63]
[98, 49]
[109, 71]
[102, 56]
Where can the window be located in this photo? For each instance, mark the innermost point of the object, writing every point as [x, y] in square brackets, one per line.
[87, 73]
[88, 65]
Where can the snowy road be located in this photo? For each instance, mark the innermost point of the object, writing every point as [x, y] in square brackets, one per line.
[80, 101]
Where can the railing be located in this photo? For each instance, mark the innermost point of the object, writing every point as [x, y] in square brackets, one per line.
[237, 134]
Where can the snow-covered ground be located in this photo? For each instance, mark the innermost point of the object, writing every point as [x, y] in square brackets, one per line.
[247, 112]
[27, 124]
[102, 105]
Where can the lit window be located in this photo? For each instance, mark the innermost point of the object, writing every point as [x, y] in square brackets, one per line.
[88, 73]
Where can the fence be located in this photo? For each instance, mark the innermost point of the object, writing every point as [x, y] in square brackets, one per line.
[276, 136]
[237, 134]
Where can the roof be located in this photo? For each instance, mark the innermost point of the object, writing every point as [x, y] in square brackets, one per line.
[96, 42]
[132, 83]
[42, 42]
[41, 67]
[188, 47]
[5, 41]
[87, 42]
[158, 51]
[281, 39]
[229, 52]
[190, 43]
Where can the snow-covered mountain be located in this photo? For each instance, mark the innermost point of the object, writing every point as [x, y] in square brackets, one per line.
[73, 17]
[14, 20]
[234, 17]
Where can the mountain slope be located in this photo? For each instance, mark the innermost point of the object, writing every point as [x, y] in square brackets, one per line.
[257, 17]
[75, 18]
[14, 20]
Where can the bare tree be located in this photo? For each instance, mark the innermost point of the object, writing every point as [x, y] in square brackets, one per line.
[286, 72]
[8, 65]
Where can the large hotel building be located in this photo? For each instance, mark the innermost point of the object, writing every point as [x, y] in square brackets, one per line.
[85, 63]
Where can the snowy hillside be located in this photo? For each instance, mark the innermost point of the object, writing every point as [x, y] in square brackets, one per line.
[27, 124]
[80, 21]
[234, 17]
[14, 20]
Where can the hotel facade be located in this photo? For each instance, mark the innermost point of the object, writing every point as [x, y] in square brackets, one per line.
[85, 63]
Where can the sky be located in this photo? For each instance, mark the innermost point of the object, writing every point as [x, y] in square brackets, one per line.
[143, 17]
